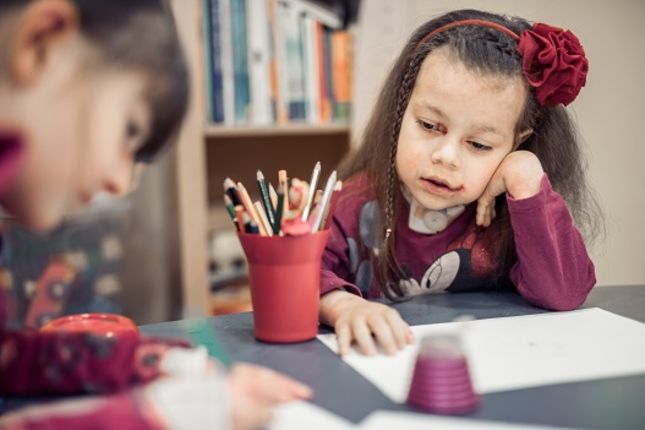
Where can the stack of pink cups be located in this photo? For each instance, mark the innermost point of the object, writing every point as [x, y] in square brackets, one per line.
[441, 380]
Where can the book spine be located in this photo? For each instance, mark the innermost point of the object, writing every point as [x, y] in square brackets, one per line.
[323, 99]
[276, 97]
[283, 70]
[240, 63]
[342, 74]
[258, 62]
[307, 26]
[226, 61]
[206, 64]
[214, 85]
[294, 62]
[329, 73]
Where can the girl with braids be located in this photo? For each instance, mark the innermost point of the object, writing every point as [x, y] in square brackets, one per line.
[88, 88]
[469, 177]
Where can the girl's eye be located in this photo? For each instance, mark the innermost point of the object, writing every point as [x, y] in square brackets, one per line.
[134, 135]
[428, 126]
[132, 130]
[478, 146]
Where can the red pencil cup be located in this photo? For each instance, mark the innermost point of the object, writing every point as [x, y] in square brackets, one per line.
[285, 285]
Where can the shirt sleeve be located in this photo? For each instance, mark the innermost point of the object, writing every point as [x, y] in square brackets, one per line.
[553, 270]
[69, 363]
[336, 266]
[125, 411]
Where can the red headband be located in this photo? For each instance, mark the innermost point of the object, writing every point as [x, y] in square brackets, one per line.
[553, 60]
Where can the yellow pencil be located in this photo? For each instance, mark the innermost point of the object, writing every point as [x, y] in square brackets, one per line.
[263, 217]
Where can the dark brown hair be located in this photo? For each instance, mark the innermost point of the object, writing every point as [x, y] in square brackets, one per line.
[138, 36]
[487, 51]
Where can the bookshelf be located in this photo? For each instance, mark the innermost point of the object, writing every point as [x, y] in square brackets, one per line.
[205, 154]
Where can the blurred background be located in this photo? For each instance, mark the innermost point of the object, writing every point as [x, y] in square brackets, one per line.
[283, 84]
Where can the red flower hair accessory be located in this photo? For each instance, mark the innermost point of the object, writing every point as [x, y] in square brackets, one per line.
[553, 60]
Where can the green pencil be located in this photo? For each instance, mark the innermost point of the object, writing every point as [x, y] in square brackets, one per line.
[202, 334]
[266, 201]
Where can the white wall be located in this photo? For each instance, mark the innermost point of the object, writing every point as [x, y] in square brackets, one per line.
[609, 110]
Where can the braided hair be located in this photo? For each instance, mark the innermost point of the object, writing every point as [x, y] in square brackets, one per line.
[487, 51]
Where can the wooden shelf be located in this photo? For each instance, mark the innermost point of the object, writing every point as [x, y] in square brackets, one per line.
[215, 131]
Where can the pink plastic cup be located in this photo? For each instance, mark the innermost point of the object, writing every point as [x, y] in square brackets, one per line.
[441, 380]
[285, 285]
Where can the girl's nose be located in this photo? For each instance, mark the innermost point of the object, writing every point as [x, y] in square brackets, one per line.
[447, 152]
[119, 179]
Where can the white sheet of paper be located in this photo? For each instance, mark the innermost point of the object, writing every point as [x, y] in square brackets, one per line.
[388, 420]
[300, 415]
[519, 352]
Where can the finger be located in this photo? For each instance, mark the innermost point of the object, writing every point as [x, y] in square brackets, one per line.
[482, 206]
[383, 333]
[399, 328]
[274, 387]
[486, 217]
[410, 336]
[363, 337]
[257, 418]
[344, 338]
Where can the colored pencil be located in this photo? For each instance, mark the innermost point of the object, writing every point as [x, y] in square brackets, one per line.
[250, 226]
[250, 209]
[284, 183]
[266, 201]
[263, 218]
[239, 215]
[230, 209]
[274, 197]
[332, 204]
[280, 209]
[324, 202]
[312, 190]
[231, 190]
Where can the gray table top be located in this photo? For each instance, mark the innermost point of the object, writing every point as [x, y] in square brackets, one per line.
[614, 403]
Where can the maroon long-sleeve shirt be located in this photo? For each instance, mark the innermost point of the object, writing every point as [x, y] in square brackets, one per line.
[552, 271]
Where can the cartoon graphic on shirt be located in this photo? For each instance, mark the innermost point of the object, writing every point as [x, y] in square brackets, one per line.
[467, 264]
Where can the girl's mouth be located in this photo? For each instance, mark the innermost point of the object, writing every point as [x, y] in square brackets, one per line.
[436, 185]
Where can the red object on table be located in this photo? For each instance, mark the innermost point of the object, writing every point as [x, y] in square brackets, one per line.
[98, 323]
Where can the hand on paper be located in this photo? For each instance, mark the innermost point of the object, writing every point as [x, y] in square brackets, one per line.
[255, 390]
[366, 323]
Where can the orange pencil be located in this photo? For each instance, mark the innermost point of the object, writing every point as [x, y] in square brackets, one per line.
[250, 209]
[239, 215]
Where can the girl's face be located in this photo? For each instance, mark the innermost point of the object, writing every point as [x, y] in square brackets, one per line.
[79, 129]
[457, 128]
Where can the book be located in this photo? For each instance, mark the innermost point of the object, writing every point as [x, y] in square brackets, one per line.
[240, 61]
[226, 61]
[214, 82]
[295, 91]
[277, 65]
[258, 62]
[341, 53]
[311, 78]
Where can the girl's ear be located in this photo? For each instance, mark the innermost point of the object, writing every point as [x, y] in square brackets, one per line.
[41, 25]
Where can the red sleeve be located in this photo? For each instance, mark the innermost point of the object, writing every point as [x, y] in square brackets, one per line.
[34, 363]
[124, 411]
[553, 270]
[336, 272]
